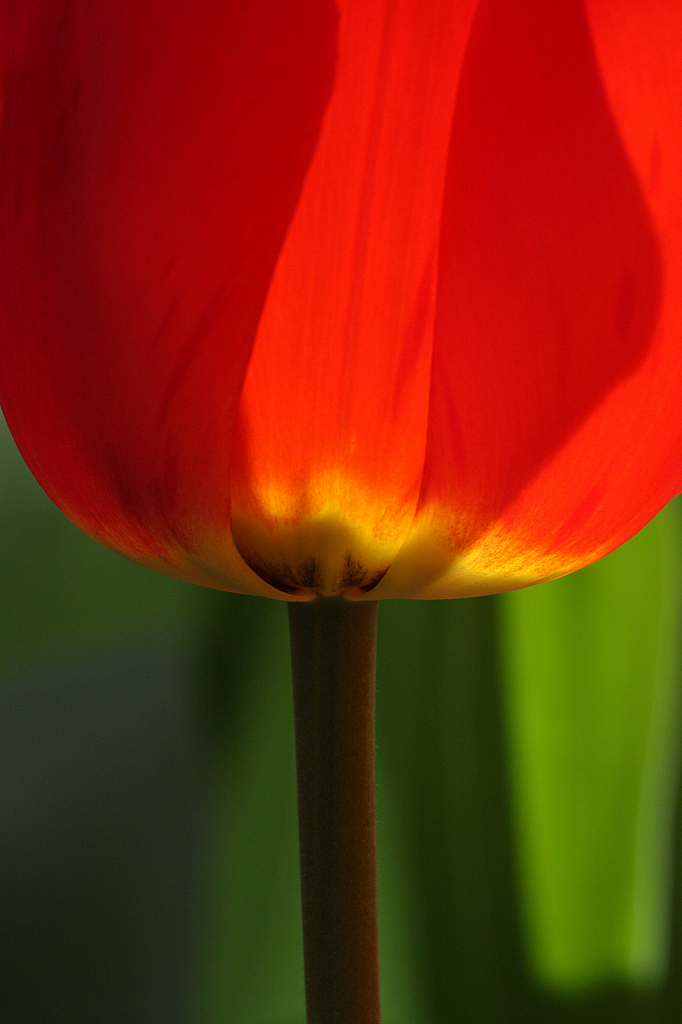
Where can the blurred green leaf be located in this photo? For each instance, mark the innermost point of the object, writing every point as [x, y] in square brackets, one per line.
[253, 961]
[439, 731]
[592, 671]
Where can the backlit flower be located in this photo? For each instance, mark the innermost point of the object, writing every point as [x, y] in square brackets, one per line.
[381, 298]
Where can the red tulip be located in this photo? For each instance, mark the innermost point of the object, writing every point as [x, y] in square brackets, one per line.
[384, 301]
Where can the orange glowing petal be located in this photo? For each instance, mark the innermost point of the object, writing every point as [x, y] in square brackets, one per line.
[555, 428]
[333, 417]
[151, 158]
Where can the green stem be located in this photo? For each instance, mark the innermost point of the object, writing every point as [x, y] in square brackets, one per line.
[333, 655]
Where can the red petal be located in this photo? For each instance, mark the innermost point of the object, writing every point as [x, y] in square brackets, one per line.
[334, 411]
[555, 426]
[152, 155]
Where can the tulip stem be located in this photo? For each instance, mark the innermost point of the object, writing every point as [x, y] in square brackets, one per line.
[333, 655]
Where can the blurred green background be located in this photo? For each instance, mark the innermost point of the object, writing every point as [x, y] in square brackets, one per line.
[527, 773]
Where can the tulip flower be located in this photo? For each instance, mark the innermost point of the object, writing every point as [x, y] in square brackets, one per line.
[371, 299]
[383, 303]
